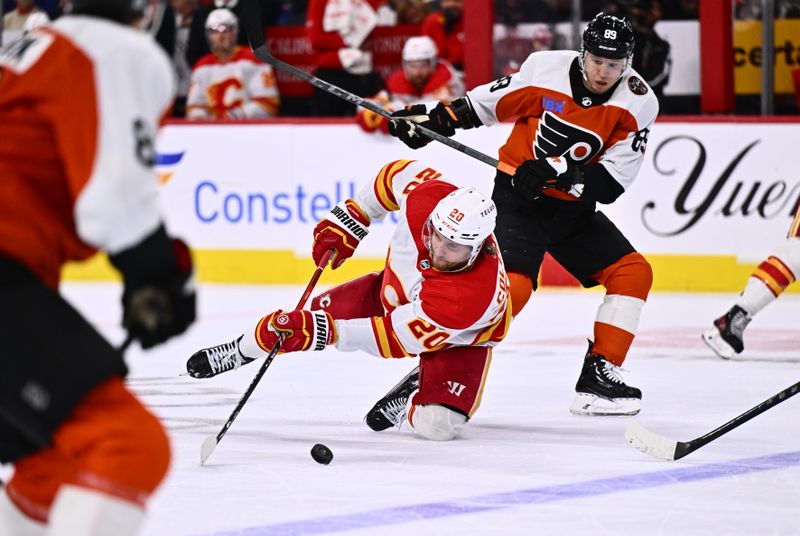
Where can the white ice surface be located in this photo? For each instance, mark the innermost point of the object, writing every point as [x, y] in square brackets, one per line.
[525, 464]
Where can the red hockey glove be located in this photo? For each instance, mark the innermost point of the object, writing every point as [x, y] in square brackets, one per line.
[302, 330]
[369, 121]
[342, 230]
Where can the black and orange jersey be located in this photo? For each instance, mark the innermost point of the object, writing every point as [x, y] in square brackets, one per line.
[80, 103]
[557, 116]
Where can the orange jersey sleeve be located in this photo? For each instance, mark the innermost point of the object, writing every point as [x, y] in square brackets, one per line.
[80, 103]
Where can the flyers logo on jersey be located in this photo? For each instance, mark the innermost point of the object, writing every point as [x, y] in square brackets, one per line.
[556, 137]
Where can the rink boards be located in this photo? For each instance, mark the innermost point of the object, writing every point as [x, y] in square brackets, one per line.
[711, 199]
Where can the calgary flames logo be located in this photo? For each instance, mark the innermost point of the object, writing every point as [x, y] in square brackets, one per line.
[556, 137]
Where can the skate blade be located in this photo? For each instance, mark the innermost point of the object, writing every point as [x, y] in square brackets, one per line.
[589, 404]
[714, 341]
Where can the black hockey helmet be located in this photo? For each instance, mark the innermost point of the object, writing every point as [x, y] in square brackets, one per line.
[607, 36]
[124, 11]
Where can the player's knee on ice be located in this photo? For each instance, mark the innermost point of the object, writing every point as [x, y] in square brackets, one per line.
[437, 423]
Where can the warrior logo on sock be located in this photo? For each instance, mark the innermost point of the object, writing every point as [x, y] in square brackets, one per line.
[556, 137]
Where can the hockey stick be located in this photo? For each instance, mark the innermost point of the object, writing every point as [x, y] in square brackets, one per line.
[255, 35]
[127, 342]
[665, 448]
[211, 442]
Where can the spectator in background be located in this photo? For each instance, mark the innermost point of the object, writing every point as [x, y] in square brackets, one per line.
[411, 11]
[230, 83]
[753, 9]
[197, 47]
[173, 35]
[423, 77]
[14, 21]
[680, 10]
[513, 12]
[512, 49]
[57, 9]
[446, 28]
[338, 30]
[651, 54]
[288, 13]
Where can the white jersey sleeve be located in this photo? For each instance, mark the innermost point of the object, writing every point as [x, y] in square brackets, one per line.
[134, 87]
[391, 187]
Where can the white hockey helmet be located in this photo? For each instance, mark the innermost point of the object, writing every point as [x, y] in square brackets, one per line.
[222, 19]
[420, 48]
[465, 217]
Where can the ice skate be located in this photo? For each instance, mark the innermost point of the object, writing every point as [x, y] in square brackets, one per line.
[601, 391]
[215, 360]
[726, 338]
[390, 410]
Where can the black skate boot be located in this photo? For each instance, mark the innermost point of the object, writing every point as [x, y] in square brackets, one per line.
[601, 391]
[390, 410]
[209, 362]
[726, 337]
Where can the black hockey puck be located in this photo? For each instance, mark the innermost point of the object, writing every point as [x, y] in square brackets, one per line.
[321, 454]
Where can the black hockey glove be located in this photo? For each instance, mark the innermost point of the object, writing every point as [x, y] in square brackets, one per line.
[443, 119]
[534, 176]
[404, 127]
[159, 297]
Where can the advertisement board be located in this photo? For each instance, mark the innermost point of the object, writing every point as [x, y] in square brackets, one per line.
[711, 198]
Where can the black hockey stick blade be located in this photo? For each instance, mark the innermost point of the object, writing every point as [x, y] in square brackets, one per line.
[665, 448]
[255, 35]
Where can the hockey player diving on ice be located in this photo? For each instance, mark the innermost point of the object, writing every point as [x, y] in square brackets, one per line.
[442, 295]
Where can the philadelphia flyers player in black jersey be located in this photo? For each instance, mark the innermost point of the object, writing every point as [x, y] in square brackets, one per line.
[581, 126]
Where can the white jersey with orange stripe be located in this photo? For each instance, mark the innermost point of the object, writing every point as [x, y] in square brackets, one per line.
[426, 310]
[557, 116]
[80, 103]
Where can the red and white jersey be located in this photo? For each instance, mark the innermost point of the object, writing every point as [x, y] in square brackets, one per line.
[426, 310]
[80, 103]
[557, 116]
[241, 87]
[445, 84]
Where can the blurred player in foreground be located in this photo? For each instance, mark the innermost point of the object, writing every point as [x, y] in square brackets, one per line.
[80, 102]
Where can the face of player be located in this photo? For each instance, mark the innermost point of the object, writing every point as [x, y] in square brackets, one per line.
[446, 255]
[599, 74]
[418, 72]
[222, 41]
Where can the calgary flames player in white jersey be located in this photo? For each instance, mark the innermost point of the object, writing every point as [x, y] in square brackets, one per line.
[230, 82]
[442, 296]
[80, 103]
[423, 77]
[767, 282]
[582, 120]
